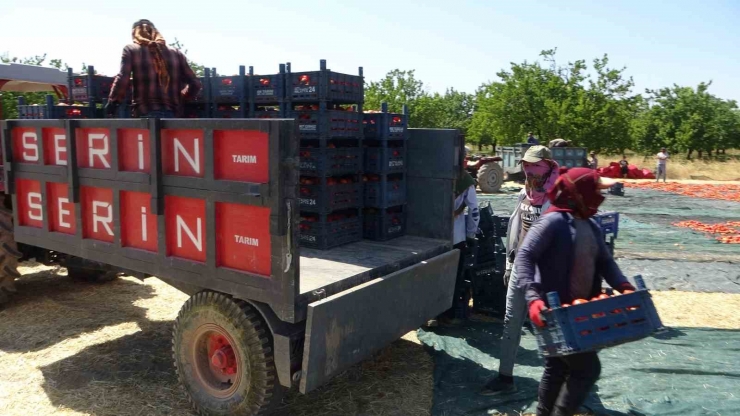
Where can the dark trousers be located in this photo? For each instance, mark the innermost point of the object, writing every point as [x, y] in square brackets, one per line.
[566, 383]
[159, 114]
[460, 300]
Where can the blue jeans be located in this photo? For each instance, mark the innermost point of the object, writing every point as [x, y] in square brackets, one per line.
[516, 313]
[661, 171]
[159, 114]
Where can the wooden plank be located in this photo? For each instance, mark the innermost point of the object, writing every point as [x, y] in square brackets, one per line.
[322, 268]
[350, 326]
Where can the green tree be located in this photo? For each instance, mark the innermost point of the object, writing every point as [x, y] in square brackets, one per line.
[9, 99]
[554, 101]
[196, 67]
[689, 120]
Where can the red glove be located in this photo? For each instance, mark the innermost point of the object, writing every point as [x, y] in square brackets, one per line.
[625, 288]
[535, 307]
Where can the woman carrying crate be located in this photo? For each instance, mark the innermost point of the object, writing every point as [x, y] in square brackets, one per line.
[540, 171]
[564, 252]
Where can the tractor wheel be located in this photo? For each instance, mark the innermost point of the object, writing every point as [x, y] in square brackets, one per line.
[9, 256]
[223, 356]
[490, 177]
[81, 274]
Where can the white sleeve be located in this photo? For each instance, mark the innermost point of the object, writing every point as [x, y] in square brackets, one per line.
[473, 217]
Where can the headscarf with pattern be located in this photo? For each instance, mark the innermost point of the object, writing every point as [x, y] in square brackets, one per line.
[146, 34]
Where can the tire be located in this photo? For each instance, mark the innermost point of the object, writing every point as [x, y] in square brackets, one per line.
[91, 275]
[9, 256]
[490, 177]
[245, 381]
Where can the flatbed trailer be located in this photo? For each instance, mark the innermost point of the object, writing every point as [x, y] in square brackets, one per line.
[210, 207]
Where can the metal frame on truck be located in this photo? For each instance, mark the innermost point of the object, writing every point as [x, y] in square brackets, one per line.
[210, 207]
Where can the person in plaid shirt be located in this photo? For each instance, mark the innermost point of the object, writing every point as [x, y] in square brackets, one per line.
[162, 78]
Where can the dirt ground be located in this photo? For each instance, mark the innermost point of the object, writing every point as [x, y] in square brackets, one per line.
[104, 349]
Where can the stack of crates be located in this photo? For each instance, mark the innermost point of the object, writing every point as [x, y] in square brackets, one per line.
[385, 163]
[327, 107]
[486, 276]
[227, 96]
[87, 95]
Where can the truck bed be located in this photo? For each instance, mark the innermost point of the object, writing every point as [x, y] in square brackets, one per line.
[350, 265]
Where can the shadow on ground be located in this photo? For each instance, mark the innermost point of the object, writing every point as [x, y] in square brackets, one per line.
[49, 308]
[132, 375]
[681, 371]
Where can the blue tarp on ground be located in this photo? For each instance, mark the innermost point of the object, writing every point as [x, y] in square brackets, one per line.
[684, 371]
[668, 257]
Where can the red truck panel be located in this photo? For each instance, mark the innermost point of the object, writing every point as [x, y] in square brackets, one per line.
[205, 201]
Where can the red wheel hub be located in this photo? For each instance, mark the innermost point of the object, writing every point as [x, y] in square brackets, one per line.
[221, 354]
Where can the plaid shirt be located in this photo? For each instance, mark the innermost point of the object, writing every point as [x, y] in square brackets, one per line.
[148, 94]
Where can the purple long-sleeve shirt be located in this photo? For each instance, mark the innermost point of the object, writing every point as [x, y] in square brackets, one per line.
[545, 259]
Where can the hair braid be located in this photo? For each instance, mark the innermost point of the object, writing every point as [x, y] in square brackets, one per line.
[145, 34]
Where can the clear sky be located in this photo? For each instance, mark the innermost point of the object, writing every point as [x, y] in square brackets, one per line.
[459, 44]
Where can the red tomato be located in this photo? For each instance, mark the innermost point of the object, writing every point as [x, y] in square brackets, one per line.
[565, 305]
[579, 301]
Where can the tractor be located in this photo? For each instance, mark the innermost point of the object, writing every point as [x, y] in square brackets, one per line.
[487, 172]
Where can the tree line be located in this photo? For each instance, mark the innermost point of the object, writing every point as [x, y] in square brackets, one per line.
[593, 106]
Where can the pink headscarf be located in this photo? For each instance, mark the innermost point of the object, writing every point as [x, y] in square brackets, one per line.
[540, 177]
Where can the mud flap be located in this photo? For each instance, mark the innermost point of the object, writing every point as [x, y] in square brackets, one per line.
[350, 326]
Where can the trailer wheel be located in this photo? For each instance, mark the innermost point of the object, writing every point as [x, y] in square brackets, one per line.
[490, 177]
[9, 256]
[223, 356]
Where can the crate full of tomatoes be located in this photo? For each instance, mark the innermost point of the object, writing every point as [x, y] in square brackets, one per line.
[327, 194]
[383, 191]
[382, 224]
[330, 160]
[601, 322]
[316, 121]
[324, 231]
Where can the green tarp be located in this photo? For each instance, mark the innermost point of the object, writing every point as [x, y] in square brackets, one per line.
[684, 371]
[668, 257]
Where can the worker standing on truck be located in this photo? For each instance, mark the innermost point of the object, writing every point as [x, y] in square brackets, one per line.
[564, 252]
[558, 143]
[541, 172]
[161, 75]
[662, 158]
[531, 139]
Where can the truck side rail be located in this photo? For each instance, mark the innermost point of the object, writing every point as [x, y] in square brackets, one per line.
[210, 203]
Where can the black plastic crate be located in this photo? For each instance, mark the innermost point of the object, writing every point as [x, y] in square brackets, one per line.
[202, 95]
[229, 111]
[269, 89]
[317, 121]
[382, 224]
[229, 89]
[491, 249]
[327, 161]
[489, 291]
[384, 190]
[325, 85]
[324, 231]
[384, 125]
[327, 194]
[90, 87]
[196, 110]
[265, 113]
[385, 159]
[58, 112]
